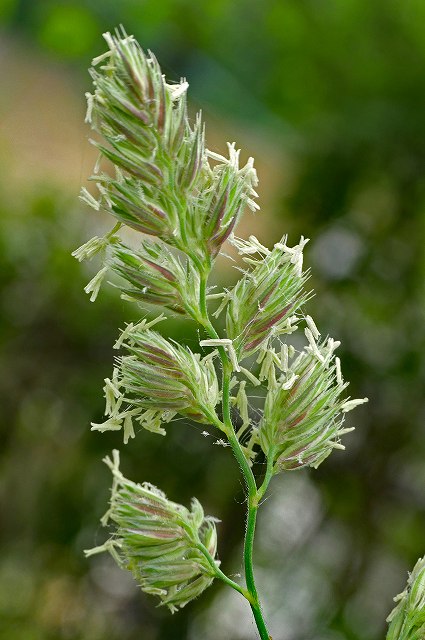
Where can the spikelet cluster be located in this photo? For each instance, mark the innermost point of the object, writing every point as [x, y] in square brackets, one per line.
[157, 540]
[165, 182]
[267, 297]
[156, 276]
[407, 619]
[155, 381]
[304, 409]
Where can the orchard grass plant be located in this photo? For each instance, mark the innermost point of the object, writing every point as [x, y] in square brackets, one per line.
[156, 176]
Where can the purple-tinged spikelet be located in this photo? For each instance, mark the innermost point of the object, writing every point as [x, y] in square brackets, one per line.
[266, 300]
[407, 619]
[304, 409]
[160, 542]
[163, 184]
[157, 380]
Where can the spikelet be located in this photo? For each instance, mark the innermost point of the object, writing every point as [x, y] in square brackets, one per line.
[157, 380]
[407, 619]
[155, 276]
[156, 540]
[163, 183]
[304, 411]
[265, 301]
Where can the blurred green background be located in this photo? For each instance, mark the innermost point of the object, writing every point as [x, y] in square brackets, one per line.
[329, 97]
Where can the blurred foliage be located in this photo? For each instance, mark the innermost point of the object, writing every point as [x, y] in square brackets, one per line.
[339, 87]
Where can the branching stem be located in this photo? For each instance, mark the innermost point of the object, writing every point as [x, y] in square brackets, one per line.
[267, 477]
[254, 495]
[219, 573]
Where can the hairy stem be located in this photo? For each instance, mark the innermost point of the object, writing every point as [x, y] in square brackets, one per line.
[268, 475]
[222, 576]
[249, 534]
[253, 497]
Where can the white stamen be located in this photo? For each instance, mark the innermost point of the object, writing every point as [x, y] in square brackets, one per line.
[267, 364]
[128, 428]
[103, 56]
[313, 328]
[253, 205]
[242, 404]
[290, 382]
[333, 344]
[216, 342]
[123, 336]
[151, 323]
[260, 247]
[97, 164]
[222, 443]
[215, 156]
[295, 252]
[109, 545]
[284, 357]
[313, 346]
[233, 358]
[95, 283]
[342, 432]
[233, 155]
[255, 381]
[112, 424]
[226, 297]
[90, 104]
[88, 249]
[111, 393]
[104, 193]
[177, 90]
[215, 296]
[143, 325]
[339, 378]
[87, 197]
[250, 246]
[227, 344]
[351, 404]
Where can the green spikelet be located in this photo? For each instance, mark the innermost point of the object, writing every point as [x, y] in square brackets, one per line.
[158, 541]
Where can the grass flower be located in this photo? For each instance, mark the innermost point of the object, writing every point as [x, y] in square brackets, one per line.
[266, 299]
[407, 619]
[166, 184]
[304, 411]
[157, 380]
[156, 276]
[163, 183]
[169, 549]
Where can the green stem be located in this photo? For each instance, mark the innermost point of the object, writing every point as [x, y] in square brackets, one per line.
[253, 502]
[253, 494]
[268, 475]
[203, 305]
[222, 576]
